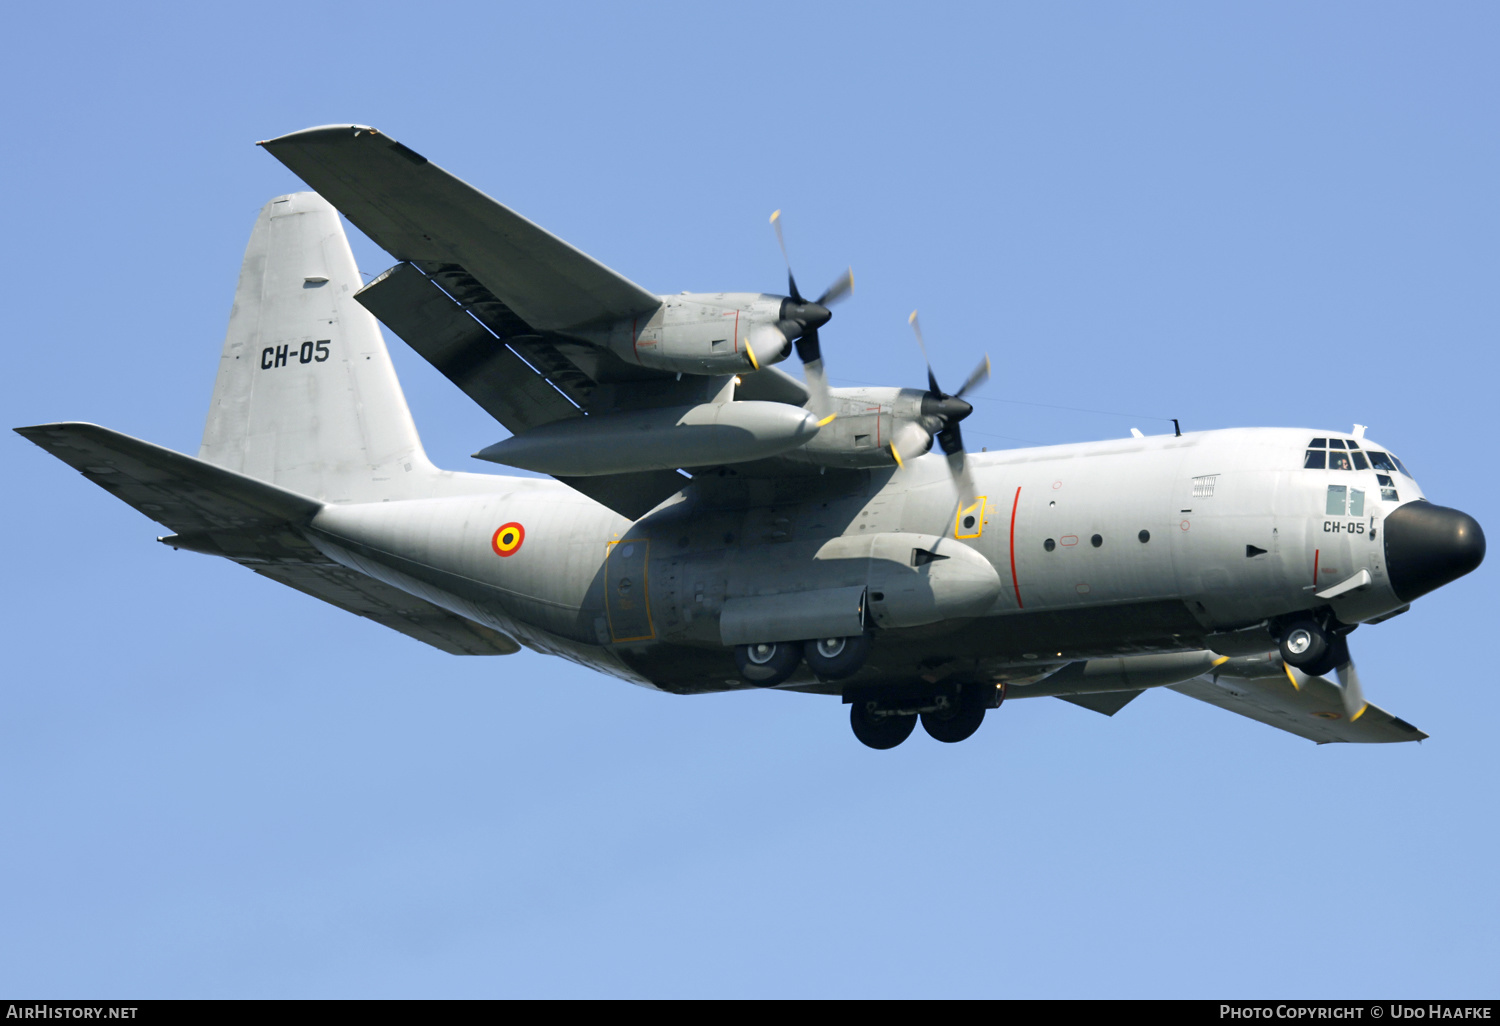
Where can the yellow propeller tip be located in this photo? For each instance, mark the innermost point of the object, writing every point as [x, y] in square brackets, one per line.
[1220, 661]
[827, 420]
[899, 461]
[1360, 713]
[913, 318]
[774, 215]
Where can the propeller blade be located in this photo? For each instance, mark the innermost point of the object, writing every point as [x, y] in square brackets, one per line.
[958, 465]
[838, 290]
[780, 241]
[1354, 695]
[950, 439]
[791, 279]
[808, 346]
[916, 326]
[817, 386]
[980, 375]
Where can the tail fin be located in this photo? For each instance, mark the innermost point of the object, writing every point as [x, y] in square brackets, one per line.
[306, 397]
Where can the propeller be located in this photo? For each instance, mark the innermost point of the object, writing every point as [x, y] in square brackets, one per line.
[1354, 695]
[800, 321]
[1351, 692]
[942, 412]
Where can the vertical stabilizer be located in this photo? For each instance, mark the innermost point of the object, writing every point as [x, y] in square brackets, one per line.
[306, 397]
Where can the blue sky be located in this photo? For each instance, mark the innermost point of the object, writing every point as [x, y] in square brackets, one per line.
[1253, 214]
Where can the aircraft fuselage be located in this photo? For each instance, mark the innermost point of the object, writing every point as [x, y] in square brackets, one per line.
[1136, 545]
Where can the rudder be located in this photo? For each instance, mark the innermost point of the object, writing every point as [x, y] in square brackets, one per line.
[306, 397]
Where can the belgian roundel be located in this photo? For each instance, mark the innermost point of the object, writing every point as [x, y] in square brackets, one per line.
[507, 541]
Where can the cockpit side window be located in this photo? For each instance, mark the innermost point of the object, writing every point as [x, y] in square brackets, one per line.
[1352, 443]
[1335, 443]
[1401, 466]
[1316, 459]
[1380, 461]
[1318, 443]
[1339, 461]
[1359, 461]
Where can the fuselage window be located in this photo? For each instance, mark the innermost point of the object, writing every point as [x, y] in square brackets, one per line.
[1318, 443]
[1380, 461]
[1345, 501]
[1359, 461]
[1316, 459]
[1338, 496]
[1339, 461]
[1335, 443]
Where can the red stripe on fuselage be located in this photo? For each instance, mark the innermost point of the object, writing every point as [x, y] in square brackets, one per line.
[1013, 582]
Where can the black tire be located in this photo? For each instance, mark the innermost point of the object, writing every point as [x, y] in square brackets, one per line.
[880, 732]
[836, 658]
[1304, 644]
[1336, 656]
[959, 721]
[769, 663]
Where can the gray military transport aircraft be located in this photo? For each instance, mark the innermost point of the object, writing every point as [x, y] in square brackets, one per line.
[713, 523]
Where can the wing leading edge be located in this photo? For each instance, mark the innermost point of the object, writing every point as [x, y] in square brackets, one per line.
[418, 212]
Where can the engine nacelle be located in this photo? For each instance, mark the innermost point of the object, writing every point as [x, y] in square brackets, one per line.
[869, 421]
[711, 333]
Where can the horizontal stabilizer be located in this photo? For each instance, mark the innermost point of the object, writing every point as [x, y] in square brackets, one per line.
[416, 211]
[186, 494]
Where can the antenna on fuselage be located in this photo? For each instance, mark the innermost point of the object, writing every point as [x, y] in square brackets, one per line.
[1177, 426]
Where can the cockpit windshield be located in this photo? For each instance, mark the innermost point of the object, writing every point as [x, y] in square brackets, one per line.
[1346, 454]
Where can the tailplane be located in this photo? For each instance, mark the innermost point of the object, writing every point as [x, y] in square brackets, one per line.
[306, 396]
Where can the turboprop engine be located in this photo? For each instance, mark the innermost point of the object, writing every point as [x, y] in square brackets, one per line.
[712, 333]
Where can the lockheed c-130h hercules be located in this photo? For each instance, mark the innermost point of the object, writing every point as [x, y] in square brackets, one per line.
[713, 523]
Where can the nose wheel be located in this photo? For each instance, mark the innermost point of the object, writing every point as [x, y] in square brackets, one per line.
[1312, 649]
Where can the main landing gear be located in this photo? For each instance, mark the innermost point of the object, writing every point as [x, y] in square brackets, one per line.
[949, 713]
[769, 663]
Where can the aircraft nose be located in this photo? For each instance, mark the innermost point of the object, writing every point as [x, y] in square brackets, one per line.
[1427, 546]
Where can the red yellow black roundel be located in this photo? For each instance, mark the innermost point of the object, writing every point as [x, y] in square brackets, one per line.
[507, 541]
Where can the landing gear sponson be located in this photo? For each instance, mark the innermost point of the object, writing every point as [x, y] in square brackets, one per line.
[949, 712]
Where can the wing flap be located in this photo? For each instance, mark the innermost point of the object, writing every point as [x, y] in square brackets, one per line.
[1315, 712]
[416, 211]
[468, 354]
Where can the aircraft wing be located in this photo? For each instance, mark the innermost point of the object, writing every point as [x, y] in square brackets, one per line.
[418, 212]
[1315, 712]
[224, 513]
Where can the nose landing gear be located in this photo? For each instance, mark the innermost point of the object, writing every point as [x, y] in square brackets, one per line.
[1311, 647]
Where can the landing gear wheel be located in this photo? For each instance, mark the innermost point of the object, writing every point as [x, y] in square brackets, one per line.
[768, 663]
[1336, 656]
[959, 721]
[1304, 645]
[836, 658]
[879, 731]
